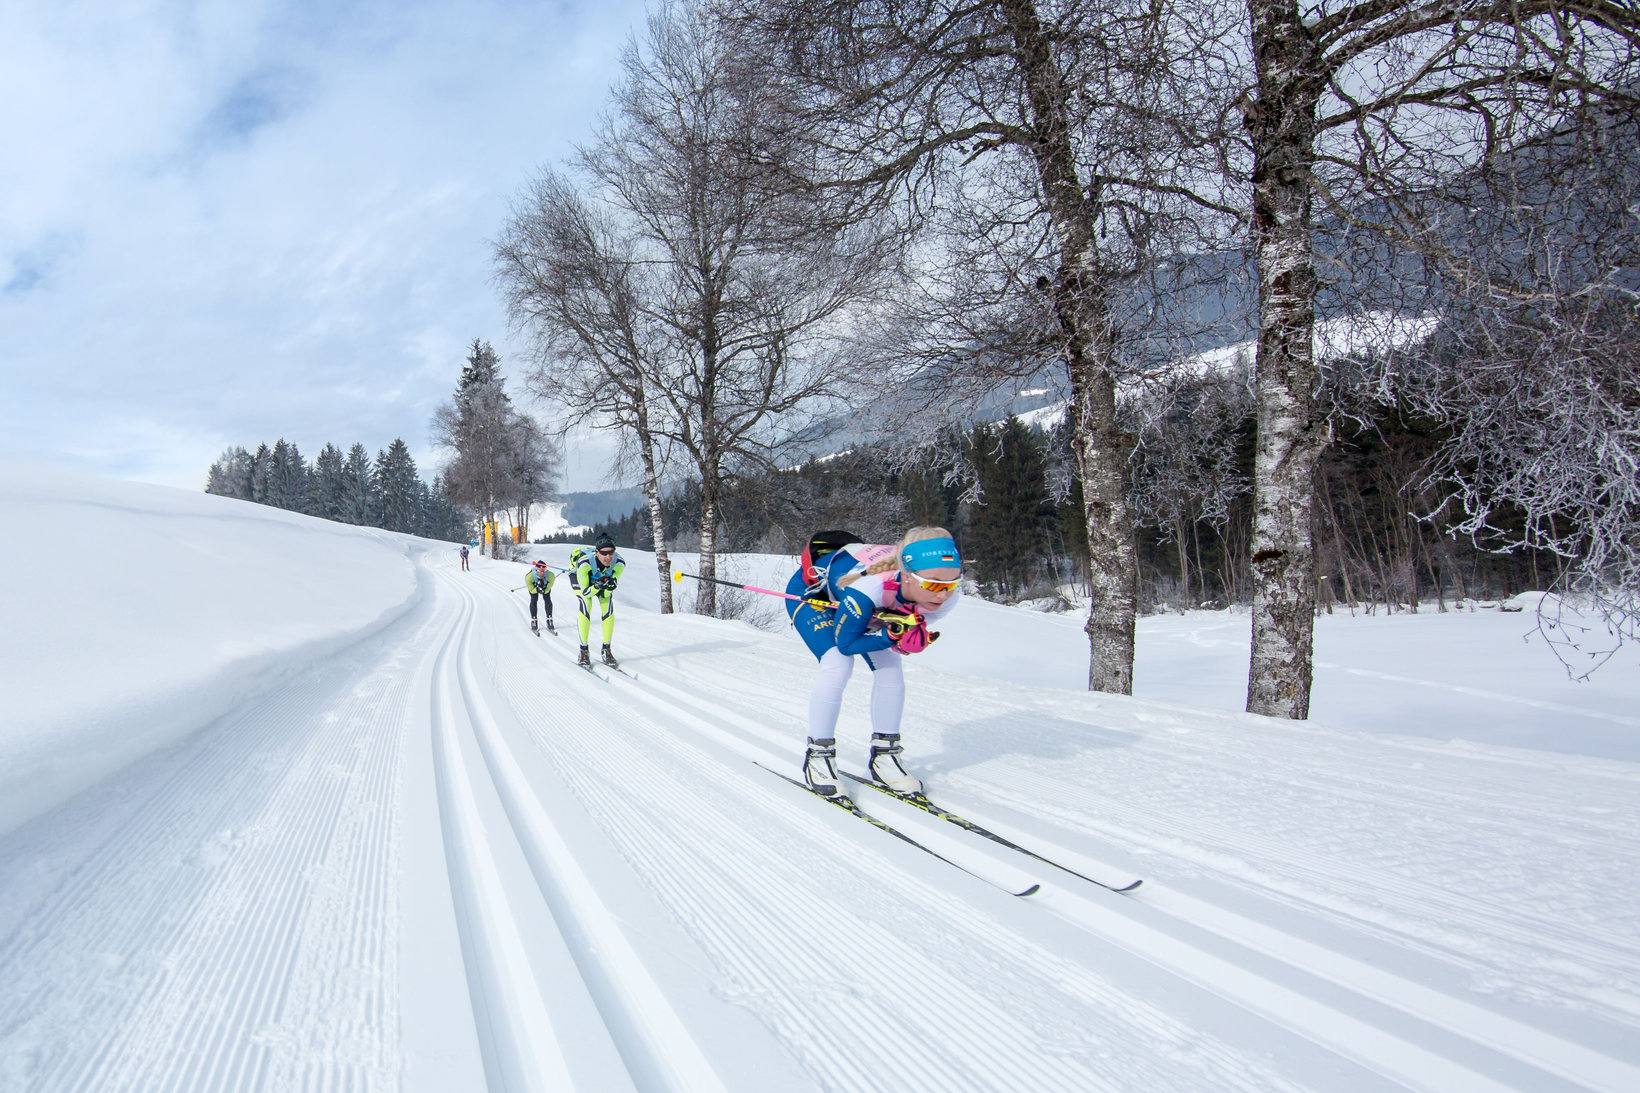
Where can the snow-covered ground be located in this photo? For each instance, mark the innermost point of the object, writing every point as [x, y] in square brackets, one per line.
[286, 805]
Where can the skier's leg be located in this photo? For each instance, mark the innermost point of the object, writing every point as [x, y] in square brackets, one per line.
[825, 702]
[532, 605]
[583, 620]
[606, 603]
[887, 705]
[887, 692]
[826, 697]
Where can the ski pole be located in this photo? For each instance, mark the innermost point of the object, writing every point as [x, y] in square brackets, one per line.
[891, 619]
[679, 575]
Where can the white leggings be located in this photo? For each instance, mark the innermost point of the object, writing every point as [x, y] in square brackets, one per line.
[887, 693]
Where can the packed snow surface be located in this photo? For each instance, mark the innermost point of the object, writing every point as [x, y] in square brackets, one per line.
[286, 806]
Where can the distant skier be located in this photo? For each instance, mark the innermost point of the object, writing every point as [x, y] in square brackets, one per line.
[886, 598]
[464, 559]
[539, 582]
[594, 577]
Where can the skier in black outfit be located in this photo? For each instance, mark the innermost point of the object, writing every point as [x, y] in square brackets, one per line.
[539, 581]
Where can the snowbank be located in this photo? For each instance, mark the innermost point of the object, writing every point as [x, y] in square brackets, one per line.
[134, 615]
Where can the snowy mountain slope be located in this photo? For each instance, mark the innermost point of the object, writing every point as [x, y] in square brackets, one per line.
[443, 857]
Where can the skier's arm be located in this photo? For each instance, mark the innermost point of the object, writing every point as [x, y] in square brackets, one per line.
[853, 619]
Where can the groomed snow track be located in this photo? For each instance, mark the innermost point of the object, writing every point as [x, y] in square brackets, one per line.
[449, 860]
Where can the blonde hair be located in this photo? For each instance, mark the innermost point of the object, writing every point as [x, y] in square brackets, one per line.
[892, 561]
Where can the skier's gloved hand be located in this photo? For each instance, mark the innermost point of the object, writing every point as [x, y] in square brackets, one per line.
[910, 635]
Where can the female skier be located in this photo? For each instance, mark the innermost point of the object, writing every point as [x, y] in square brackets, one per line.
[885, 597]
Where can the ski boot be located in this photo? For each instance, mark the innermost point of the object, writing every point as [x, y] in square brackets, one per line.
[534, 629]
[820, 768]
[551, 629]
[885, 764]
[585, 661]
[609, 658]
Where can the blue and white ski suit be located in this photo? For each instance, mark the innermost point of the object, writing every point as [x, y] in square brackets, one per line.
[838, 635]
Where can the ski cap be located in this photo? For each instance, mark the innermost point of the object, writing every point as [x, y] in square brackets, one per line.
[604, 542]
[540, 563]
[930, 554]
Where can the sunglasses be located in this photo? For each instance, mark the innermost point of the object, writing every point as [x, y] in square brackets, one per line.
[605, 553]
[938, 586]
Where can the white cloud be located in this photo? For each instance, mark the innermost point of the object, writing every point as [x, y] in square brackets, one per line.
[239, 221]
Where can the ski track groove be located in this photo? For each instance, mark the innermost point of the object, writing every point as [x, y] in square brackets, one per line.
[508, 1000]
[1526, 929]
[219, 795]
[1397, 901]
[230, 877]
[623, 989]
[1553, 1054]
[778, 805]
[674, 882]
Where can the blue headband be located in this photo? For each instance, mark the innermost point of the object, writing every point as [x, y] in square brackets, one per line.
[930, 554]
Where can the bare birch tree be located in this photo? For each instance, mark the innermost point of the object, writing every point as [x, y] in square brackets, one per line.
[1353, 104]
[1535, 374]
[751, 275]
[570, 280]
[1069, 144]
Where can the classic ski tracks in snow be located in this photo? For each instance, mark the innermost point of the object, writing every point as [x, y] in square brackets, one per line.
[613, 1027]
[758, 914]
[220, 917]
[637, 907]
[1354, 1007]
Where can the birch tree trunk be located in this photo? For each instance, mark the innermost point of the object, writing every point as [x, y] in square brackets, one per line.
[1282, 124]
[652, 494]
[706, 598]
[1089, 348]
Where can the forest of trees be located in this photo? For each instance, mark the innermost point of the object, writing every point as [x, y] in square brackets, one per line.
[805, 215]
[1006, 492]
[350, 488]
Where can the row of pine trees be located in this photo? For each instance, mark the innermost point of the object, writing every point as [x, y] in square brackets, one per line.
[350, 488]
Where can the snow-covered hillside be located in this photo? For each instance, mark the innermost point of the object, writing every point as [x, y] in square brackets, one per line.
[286, 805]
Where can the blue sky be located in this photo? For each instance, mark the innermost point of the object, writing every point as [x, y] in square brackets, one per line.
[227, 221]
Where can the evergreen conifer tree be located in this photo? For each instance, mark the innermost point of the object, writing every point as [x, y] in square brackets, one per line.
[327, 484]
[287, 478]
[1009, 533]
[358, 488]
[230, 475]
[397, 487]
[261, 471]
